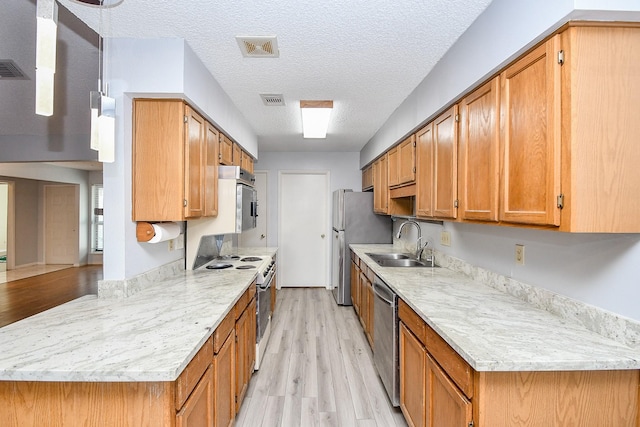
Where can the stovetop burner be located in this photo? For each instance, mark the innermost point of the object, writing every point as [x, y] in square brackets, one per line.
[251, 259]
[245, 267]
[219, 266]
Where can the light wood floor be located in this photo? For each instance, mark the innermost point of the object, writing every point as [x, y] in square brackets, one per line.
[318, 369]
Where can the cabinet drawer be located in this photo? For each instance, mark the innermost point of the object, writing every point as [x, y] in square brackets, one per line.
[241, 305]
[222, 331]
[193, 372]
[451, 362]
[413, 322]
[252, 290]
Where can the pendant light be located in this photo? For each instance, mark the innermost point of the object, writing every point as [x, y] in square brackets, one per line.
[46, 40]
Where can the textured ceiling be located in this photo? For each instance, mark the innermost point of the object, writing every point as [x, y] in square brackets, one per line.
[366, 55]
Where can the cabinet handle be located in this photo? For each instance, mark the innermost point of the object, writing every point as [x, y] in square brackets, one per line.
[184, 203]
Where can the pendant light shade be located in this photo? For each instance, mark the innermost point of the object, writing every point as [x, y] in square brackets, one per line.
[103, 123]
[46, 39]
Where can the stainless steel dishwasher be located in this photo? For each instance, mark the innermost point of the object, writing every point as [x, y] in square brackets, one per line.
[385, 333]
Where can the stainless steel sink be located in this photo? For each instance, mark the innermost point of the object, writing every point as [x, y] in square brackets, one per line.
[399, 260]
[376, 257]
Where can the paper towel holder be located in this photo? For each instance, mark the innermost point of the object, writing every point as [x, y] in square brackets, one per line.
[144, 231]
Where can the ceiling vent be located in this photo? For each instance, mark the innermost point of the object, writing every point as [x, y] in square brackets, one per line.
[272, 99]
[258, 47]
[10, 71]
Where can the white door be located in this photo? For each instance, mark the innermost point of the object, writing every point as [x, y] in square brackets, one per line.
[257, 237]
[303, 236]
[61, 224]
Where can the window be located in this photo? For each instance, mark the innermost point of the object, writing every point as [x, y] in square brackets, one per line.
[97, 219]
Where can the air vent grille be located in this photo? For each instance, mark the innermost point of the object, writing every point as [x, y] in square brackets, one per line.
[258, 47]
[9, 70]
[272, 99]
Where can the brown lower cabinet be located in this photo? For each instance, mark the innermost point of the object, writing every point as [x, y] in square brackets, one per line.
[439, 389]
[204, 395]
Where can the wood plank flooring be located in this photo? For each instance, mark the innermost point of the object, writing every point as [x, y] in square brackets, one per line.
[26, 297]
[318, 369]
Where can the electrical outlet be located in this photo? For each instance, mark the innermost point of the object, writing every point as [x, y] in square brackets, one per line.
[445, 238]
[520, 254]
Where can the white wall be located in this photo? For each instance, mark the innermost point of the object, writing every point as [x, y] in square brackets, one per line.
[152, 68]
[343, 169]
[4, 197]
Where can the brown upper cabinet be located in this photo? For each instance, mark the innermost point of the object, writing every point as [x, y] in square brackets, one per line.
[246, 161]
[367, 178]
[173, 177]
[437, 174]
[402, 163]
[381, 185]
[600, 78]
[479, 153]
[407, 161]
[530, 124]
[237, 155]
[226, 150]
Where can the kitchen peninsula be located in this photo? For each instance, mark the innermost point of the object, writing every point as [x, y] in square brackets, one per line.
[117, 360]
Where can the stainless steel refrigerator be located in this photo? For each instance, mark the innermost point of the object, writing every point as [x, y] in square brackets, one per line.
[353, 222]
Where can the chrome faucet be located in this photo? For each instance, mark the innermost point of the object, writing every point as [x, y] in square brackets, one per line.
[419, 249]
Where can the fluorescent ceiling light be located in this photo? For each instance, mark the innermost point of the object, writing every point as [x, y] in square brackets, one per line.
[315, 118]
[46, 37]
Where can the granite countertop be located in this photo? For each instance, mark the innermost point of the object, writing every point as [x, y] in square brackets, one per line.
[494, 331]
[149, 336]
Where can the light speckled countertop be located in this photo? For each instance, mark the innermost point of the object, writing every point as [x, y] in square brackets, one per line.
[150, 336]
[494, 331]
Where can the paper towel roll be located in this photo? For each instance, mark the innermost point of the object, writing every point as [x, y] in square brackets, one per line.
[165, 231]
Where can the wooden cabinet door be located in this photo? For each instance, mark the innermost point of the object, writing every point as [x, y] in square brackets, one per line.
[226, 151]
[393, 164]
[445, 164]
[407, 160]
[194, 164]
[245, 350]
[198, 409]
[242, 338]
[364, 300]
[479, 153]
[367, 178]
[211, 171]
[530, 137]
[370, 312]
[237, 155]
[413, 376]
[381, 185]
[158, 180]
[424, 171]
[447, 406]
[247, 162]
[224, 386]
[355, 287]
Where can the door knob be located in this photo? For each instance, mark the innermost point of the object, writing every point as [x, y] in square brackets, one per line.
[262, 236]
[322, 235]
